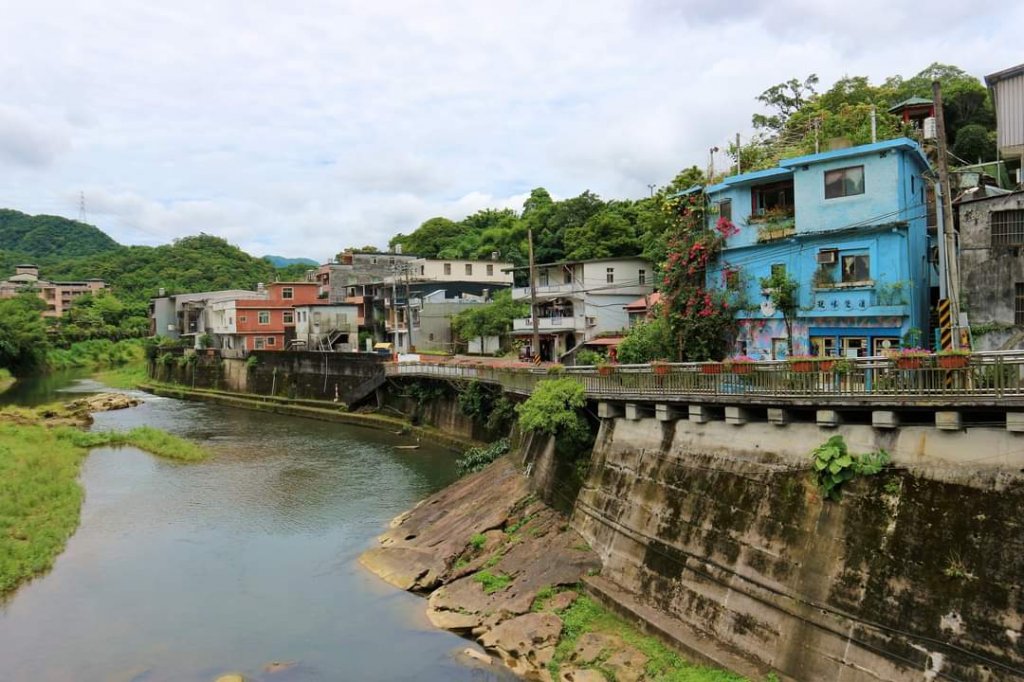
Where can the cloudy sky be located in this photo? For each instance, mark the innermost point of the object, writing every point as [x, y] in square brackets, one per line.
[299, 131]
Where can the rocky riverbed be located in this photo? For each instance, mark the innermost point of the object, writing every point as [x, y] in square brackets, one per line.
[502, 567]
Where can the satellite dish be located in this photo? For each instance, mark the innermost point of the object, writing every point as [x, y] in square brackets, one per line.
[767, 308]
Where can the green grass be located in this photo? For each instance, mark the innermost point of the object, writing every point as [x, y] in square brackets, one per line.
[40, 500]
[493, 582]
[663, 665]
[124, 377]
[96, 353]
[40, 497]
[478, 540]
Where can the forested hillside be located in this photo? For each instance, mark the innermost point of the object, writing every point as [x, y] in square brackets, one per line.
[45, 239]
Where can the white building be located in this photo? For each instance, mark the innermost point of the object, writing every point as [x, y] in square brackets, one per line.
[327, 327]
[494, 272]
[579, 300]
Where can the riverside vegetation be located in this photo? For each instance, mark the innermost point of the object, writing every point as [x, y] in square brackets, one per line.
[41, 452]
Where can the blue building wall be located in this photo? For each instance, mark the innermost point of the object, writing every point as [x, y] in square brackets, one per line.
[887, 224]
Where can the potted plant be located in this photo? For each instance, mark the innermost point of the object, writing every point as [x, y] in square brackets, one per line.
[660, 367]
[908, 358]
[803, 363]
[711, 368]
[953, 359]
[741, 364]
[605, 369]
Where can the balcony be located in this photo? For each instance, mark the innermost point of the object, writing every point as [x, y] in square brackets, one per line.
[775, 223]
[554, 324]
[547, 290]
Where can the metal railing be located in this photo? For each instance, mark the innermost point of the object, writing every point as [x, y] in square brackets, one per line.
[984, 378]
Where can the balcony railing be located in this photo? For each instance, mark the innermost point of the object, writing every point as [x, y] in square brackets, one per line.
[986, 379]
[553, 323]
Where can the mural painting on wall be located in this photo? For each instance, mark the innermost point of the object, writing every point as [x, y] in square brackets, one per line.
[758, 338]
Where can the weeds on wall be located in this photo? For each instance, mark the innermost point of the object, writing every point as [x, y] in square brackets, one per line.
[834, 465]
[475, 459]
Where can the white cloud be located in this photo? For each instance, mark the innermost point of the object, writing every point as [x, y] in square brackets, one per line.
[300, 130]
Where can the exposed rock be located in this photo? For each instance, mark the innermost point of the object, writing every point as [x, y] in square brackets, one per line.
[104, 402]
[474, 655]
[561, 601]
[404, 567]
[525, 643]
[581, 675]
[625, 662]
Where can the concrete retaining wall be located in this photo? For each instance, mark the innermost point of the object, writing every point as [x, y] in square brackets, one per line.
[914, 575]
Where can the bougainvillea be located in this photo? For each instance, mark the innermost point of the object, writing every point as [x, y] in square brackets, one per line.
[702, 319]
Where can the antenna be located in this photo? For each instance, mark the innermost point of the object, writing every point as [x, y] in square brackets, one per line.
[81, 207]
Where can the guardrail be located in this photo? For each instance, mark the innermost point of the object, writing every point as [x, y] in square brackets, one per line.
[985, 378]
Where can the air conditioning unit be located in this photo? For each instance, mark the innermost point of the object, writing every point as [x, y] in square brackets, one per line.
[828, 257]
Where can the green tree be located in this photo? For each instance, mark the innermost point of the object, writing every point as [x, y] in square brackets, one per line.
[492, 319]
[23, 340]
[430, 238]
[974, 144]
[647, 341]
[604, 235]
[783, 292]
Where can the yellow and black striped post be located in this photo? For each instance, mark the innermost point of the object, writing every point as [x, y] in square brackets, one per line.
[945, 325]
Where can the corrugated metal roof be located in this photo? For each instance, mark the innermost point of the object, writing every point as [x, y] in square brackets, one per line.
[994, 78]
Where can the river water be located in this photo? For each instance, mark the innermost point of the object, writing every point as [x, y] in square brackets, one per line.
[191, 571]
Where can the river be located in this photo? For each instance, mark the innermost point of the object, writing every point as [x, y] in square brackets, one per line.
[190, 571]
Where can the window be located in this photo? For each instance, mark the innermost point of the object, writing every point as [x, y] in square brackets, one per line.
[431, 336]
[725, 209]
[778, 269]
[469, 268]
[259, 342]
[609, 275]
[1018, 303]
[844, 182]
[423, 269]
[773, 199]
[263, 317]
[856, 268]
[243, 318]
[1007, 227]
[447, 268]
[490, 269]
[271, 341]
[289, 317]
[641, 276]
[732, 279]
[567, 276]
[287, 292]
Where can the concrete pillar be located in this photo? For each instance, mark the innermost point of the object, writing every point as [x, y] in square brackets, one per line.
[737, 416]
[1015, 422]
[779, 416]
[635, 411]
[829, 418]
[949, 420]
[607, 410]
[669, 413]
[885, 419]
[700, 413]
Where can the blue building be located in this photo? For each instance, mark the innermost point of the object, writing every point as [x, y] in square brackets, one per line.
[849, 226]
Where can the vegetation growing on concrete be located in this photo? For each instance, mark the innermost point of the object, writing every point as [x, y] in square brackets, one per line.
[834, 465]
[585, 615]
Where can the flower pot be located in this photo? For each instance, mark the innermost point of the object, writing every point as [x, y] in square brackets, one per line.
[826, 365]
[660, 369]
[605, 371]
[711, 368]
[909, 363]
[742, 368]
[954, 361]
[803, 366]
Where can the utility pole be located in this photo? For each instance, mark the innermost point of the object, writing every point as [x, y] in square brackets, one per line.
[394, 304]
[651, 188]
[874, 125]
[952, 271]
[408, 310]
[533, 298]
[739, 155]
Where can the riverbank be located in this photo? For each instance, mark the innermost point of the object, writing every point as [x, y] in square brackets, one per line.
[6, 380]
[41, 452]
[313, 409]
[502, 567]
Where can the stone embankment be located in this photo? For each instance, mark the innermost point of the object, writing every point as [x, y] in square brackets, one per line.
[501, 567]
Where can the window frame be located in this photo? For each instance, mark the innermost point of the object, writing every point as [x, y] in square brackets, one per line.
[469, 269]
[725, 209]
[288, 317]
[1018, 303]
[490, 270]
[1010, 226]
[641, 276]
[260, 315]
[609, 275]
[271, 341]
[258, 343]
[843, 183]
[844, 257]
[448, 268]
[287, 293]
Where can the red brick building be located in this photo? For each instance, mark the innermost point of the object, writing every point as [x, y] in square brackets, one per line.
[269, 323]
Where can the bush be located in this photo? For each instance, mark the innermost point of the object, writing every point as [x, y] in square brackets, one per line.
[553, 408]
[647, 341]
[475, 459]
[589, 357]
